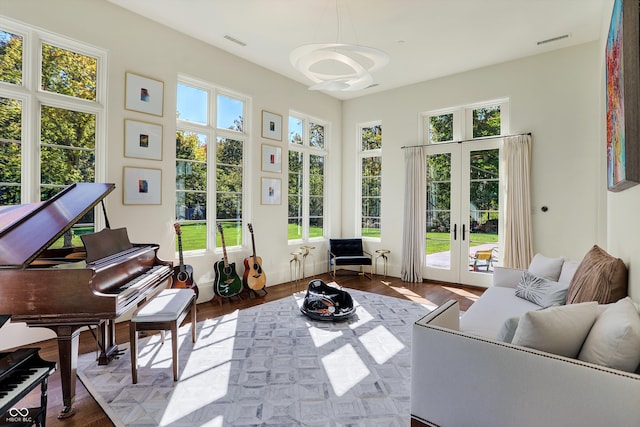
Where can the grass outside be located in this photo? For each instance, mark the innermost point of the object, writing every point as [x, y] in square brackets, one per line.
[440, 242]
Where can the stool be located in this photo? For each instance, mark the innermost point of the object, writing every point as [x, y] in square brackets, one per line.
[306, 251]
[294, 266]
[382, 253]
[164, 312]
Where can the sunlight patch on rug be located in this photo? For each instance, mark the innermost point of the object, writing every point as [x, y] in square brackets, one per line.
[269, 365]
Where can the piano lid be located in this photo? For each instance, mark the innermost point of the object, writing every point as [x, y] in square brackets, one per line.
[27, 230]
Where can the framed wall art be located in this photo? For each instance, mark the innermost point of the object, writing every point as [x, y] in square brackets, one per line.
[142, 186]
[622, 75]
[271, 125]
[143, 94]
[271, 158]
[142, 140]
[271, 189]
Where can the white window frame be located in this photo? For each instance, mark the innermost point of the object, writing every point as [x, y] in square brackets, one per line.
[362, 154]
[213, 133]
[306, 150]
[33, 97]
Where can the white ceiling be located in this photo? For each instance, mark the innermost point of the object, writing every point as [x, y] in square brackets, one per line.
[425, 39]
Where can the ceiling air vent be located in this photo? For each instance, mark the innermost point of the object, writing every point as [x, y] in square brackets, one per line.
[553, 39]
[234, 40]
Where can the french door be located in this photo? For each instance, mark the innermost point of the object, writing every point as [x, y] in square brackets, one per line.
[464, 211]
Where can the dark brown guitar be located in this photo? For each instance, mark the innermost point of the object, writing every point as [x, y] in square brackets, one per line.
[183, 274]
[254, 277]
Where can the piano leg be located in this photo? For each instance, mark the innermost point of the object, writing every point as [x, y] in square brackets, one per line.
[108, 347]
[68, 339]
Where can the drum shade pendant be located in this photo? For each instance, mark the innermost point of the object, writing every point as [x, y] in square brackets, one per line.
[338, 66]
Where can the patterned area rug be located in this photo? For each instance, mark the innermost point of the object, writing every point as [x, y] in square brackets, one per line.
[269, 365]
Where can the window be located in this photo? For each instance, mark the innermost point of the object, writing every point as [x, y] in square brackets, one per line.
[370, 179]
[306, 187]
[49, 123]
[469, 122]
[210, 144]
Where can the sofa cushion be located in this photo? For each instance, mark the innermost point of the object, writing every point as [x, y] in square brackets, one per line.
[543, 292]
[559, 330]
[486, 316]
[546, 267]
[600, 277]
[614, 339]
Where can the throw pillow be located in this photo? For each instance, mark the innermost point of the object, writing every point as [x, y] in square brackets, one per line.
[614, 339]
[599, 277]
[541, 291]
[508, 330]
[546, 267]
[569, 268]
[559, 330]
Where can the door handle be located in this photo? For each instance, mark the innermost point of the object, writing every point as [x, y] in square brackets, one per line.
[463, 231]
[455, 231]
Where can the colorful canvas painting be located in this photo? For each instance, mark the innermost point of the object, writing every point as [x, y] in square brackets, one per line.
[622, 97]
[615, 100]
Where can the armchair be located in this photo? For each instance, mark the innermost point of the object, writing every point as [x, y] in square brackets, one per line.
[347, 252]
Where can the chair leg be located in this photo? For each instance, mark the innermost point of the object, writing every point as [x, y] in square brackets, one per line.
[174, 349]
[193, 321]
[133, 344]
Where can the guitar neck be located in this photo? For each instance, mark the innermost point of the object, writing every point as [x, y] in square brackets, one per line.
[253, 245]
[224, 250]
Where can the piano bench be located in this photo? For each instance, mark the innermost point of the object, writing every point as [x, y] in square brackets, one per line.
[164, 312]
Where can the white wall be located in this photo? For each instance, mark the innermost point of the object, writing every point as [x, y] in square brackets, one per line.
[555, 96]
[141, 46]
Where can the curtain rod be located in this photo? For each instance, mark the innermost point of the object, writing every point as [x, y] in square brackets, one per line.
[468, 140]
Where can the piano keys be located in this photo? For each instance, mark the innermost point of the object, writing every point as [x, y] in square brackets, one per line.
[21, 371]
[68, 288]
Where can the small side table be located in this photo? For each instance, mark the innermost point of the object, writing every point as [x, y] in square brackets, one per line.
[382, 253]
[306, 251]
[294, 266]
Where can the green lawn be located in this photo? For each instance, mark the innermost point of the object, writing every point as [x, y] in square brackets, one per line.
[440, 242]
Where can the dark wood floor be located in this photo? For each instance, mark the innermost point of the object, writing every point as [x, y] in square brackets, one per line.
[89, 413]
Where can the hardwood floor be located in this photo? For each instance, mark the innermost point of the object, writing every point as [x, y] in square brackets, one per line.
[89, 413]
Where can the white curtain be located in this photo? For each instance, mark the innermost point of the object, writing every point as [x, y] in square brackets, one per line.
[518, 246]
[413, 240]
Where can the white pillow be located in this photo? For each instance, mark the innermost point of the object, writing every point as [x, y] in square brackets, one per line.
[559, 330]
[549, 268]
[569, 268]
[614, 340]
[541, 291]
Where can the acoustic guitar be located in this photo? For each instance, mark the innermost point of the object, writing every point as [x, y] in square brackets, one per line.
[227, 282]
[183, 274]
[254, 277]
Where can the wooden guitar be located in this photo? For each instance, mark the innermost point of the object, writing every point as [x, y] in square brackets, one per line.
[227, 282]
[254, 277]
[183, 274]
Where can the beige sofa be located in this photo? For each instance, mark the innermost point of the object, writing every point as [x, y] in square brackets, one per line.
[463, 376]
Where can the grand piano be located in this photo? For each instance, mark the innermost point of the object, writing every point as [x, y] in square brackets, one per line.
[70, 287]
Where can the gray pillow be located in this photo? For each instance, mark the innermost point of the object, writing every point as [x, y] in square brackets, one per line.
[541, 291]
[508, 330]
[546, 267]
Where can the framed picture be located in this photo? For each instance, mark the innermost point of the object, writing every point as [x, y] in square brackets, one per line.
[142, 140]
[271, 125]
[622, 63]
[143, 94]
[271, 158]
[271, 188]
[142, 186]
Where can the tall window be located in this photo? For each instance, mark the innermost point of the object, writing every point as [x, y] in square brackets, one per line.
[370, 179]
[42, 153]
[210, 142]
[306, 187]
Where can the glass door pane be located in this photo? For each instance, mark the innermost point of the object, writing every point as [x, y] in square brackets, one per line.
[438, 225]
[484, 208]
